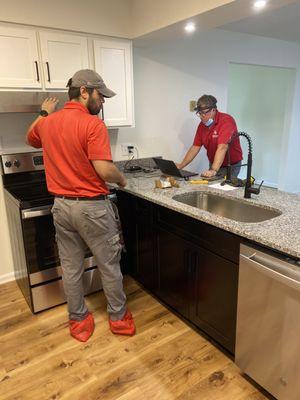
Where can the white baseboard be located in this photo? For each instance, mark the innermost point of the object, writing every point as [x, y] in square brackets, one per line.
[7, 277]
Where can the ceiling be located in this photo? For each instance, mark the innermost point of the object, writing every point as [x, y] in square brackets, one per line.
[279, 20]
[282, 23]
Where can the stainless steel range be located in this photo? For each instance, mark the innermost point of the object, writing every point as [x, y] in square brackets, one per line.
[32, 234]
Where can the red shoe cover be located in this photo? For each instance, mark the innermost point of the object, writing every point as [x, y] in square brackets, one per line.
[82, 330]
[124, 326]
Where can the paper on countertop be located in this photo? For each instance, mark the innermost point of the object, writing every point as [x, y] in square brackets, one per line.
[225, 187]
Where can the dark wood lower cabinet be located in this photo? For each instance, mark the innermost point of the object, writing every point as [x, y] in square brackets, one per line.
[127, 216]
[137, 216]
[185, 268]
[199, 285]
[173, 266]
[144, 266]
[214, 304]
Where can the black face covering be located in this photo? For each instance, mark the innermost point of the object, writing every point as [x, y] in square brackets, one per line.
[93, 107]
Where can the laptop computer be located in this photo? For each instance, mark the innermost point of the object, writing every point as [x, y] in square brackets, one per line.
[168, 167]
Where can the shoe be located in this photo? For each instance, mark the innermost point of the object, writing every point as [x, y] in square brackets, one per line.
[82, 330]
[124, 326]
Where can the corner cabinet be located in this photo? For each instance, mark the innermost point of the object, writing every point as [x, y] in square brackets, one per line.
[113, 61]
[137, 217]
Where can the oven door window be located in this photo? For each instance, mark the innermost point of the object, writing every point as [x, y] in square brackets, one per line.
[40, 245]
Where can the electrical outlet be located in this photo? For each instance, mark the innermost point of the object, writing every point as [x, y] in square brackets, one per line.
[126, 149]
[193, 104]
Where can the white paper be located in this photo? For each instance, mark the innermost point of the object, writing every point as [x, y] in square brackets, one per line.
[225, 187]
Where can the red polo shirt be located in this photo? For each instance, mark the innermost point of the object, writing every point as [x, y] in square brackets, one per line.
[70, 138]
[220, 132]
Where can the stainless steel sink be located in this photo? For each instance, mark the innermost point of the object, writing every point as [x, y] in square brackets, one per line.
[225, 207]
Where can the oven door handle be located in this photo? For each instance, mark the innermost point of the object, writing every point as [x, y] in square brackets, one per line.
[36, 212]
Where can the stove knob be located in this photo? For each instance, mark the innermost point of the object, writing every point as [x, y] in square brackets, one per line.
[8, 164]
[17, 163]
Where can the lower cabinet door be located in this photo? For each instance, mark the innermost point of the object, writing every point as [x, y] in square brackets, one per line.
[126, 204]
[145, 265]
[173, 271]
[214, 304]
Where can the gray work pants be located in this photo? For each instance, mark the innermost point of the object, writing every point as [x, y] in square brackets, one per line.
[92, 223]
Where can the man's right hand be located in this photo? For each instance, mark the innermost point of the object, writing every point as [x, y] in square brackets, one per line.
[122, 183]
[109, 172]
[49, 104]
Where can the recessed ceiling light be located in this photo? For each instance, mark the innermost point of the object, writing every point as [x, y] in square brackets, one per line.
[260, 4]
[190, 27]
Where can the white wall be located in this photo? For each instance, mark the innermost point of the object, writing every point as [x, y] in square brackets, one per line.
[289, 179]
[12, 131]
[103, 17]
[127, 18]
[170, 74]
[6, 265]
[122, 18]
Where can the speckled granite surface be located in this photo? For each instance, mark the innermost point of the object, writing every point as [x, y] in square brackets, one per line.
[281, 233]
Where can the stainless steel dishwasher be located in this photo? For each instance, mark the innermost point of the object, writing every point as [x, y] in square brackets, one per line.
[268, 321]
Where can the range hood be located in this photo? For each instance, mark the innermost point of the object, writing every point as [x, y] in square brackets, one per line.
[28, 102]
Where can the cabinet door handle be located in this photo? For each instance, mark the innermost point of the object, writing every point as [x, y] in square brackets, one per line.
[37, 71]
[48, 71]
[194, 262]
[186, 261]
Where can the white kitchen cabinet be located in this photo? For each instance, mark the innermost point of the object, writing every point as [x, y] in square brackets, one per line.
[113, 61]
[43, 60]
[62, 55]
[32, 59]
[19, 63]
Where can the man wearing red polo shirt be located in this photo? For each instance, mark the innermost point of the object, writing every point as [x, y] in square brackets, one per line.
[78, 162]
[214, 133]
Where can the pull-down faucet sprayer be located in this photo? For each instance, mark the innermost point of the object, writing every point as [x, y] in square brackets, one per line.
[248, 186]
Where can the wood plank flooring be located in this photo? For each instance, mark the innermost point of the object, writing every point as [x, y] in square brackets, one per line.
[165, 360]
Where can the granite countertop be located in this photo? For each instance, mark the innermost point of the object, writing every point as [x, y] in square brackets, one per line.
[281, 233]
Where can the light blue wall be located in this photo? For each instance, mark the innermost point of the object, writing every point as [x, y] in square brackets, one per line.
[289, 178]
[260, 98]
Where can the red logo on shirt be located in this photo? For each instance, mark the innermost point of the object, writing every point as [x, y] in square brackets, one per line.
[215, 134]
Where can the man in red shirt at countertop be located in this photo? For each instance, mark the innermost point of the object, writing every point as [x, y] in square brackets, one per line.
[78, 162]
[214, 133]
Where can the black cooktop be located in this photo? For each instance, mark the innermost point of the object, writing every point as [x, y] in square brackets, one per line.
[31, 196]
[28, 188]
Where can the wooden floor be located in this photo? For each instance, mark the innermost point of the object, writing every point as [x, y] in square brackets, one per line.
[165, 360]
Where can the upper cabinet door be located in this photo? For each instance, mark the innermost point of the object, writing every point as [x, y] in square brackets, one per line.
[62, 56]
[19, 63]
[113, 61]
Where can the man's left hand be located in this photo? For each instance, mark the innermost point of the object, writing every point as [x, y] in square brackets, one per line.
[209, 173]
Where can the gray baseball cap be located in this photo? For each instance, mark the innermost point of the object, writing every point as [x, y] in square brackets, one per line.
[90, 79]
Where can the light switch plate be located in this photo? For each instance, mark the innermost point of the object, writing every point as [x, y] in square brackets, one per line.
[193, 104]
